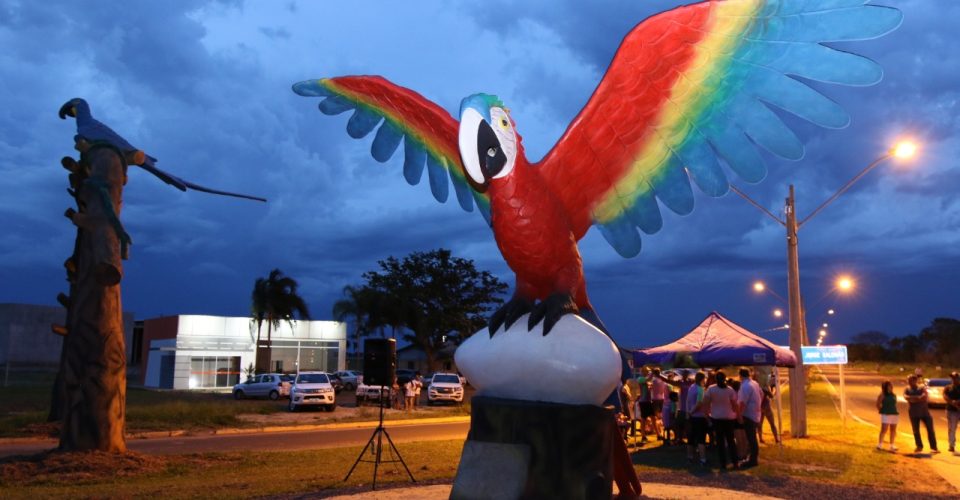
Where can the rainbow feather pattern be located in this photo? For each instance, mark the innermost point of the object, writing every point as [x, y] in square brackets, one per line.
[690, 90]
[427, 131]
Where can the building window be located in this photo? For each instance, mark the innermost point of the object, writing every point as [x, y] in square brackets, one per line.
[212, 372]
[306, 355]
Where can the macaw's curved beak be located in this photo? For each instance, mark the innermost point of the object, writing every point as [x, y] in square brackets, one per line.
[489, 153]
[67, 109]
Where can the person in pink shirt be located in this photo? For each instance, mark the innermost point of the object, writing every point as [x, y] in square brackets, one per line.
[658, 393]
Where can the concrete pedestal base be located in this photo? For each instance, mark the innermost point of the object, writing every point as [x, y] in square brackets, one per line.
[528, 449]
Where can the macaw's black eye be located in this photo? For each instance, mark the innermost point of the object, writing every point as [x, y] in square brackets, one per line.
[490, 155]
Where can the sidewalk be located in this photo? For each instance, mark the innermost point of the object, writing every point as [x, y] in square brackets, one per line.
[650, 490]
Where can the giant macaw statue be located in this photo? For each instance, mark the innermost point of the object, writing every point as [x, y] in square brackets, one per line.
[689, 90]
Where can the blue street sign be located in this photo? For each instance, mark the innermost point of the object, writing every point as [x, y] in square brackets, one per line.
[824, 355]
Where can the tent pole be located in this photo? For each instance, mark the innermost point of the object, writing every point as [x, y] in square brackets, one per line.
[776, 378]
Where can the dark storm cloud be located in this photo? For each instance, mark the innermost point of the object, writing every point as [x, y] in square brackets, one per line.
[204, 86]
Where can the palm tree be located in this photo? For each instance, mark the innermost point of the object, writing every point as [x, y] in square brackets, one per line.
[274, 299]
[355, 306]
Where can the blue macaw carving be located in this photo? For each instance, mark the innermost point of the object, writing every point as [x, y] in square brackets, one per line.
[91, 130]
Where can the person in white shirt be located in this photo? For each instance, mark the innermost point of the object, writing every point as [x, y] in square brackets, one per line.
[410, 393]
[720, 402]
[749, 400]
[417, 385]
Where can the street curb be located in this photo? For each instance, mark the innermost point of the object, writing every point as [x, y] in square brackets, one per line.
[257, 430]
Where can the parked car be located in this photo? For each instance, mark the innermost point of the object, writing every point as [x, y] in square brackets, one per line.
[404, 375]
[935, 388]
[268, 385]
[445, 387]
[335, 382]
[366, 393]
[312, 389]
[349, 378]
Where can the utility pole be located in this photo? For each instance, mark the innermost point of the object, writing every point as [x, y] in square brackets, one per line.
[798, 406]
[798, 323]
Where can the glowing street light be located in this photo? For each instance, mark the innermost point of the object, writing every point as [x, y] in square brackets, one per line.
[830, 312]
[905, 149]
[845, 284]
[777, 313]
[823, 333]
[798, 331]
[825, 325]
[761, 287]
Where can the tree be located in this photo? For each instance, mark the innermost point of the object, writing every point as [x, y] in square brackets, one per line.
[274, 299]
[435, 296]
[870, 345]
[357, 305]
[942, 339]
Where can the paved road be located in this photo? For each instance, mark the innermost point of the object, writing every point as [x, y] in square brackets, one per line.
[272, 441]
[862, 389]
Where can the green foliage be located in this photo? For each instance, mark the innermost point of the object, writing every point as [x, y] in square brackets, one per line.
[433, 296]
[275, 299]
[937, 343]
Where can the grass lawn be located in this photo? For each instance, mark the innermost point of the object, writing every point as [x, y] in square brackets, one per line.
[834, 462]
[24, 408]
[218, 475]
[832, 455]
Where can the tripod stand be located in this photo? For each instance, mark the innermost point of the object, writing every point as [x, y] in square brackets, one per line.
[377, 449]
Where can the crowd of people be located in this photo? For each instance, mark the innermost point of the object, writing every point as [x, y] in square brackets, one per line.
[918, 410]
[407, 396]
[707, 408]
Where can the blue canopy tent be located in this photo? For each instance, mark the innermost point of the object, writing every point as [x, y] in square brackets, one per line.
[716, 341]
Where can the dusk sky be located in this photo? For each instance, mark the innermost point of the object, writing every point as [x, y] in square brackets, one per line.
[205, 87]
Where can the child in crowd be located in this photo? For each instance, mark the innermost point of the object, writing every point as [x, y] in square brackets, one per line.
[669, 417]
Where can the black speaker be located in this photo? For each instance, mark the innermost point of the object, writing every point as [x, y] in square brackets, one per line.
[379, 361]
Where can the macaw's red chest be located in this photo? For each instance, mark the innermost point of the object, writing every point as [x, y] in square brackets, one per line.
[534, 235]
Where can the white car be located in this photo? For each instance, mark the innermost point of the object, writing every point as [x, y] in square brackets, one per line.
[350, 378]
[445, 387]
[312, 389]
[269, 385]
[371, 392]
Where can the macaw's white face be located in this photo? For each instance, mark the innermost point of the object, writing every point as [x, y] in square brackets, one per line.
[488, 148]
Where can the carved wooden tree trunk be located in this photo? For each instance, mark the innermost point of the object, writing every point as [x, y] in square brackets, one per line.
[92, 378]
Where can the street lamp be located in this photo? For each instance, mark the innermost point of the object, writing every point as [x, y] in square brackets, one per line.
[760, 287]
[905, 149]
[845, 284]
[777, 313]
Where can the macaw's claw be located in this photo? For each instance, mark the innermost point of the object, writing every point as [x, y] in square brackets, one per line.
[508, 314]
[551, 310]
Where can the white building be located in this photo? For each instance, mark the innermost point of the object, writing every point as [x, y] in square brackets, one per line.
[208, 352]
